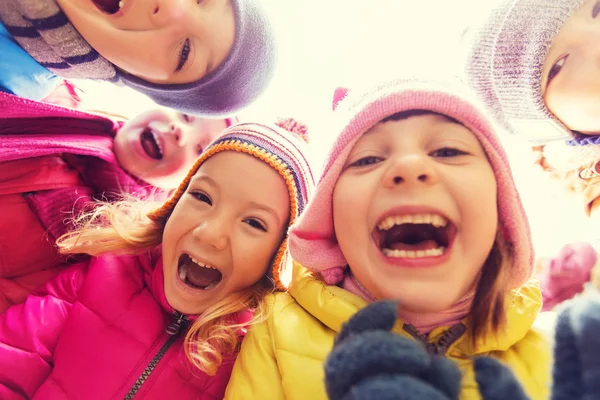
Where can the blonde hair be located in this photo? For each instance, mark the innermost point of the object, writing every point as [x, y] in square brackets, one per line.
[123, 227]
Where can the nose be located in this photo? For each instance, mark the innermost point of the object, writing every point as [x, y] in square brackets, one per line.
[213, 232]
[177, 133]
[169, 12]
[409, 170]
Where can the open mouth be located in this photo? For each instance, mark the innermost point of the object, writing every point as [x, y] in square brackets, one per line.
[414, 236]
[109, 6]
[151, 144]
[196, 274]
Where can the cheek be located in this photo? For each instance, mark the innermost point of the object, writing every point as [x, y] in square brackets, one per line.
[168, 242]
[350, 210]
[479, 210]
[251, 261]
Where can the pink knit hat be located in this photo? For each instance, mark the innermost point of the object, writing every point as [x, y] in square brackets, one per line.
[312, 239]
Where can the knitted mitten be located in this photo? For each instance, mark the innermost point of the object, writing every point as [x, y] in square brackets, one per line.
[576, 371]
[566, 273]
[496, 381]
[368, 361]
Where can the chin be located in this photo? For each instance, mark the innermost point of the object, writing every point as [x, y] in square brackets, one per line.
[420, 301]
[181, 305]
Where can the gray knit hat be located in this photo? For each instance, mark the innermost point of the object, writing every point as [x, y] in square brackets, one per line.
[236, 83]
[43, 30]
[505, 62]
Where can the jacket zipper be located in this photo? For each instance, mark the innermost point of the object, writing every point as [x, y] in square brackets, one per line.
[445, 341]
[173, 331]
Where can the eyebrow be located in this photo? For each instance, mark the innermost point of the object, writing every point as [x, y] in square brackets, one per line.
[265, 208]
[252, 204]
[203, 178]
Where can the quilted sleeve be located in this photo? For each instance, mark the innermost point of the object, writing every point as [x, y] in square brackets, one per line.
[29, 333]
[256, 373]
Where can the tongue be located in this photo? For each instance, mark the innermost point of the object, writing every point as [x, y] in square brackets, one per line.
[201, 277]
[150, 146]
[109, 6]
[424, 245]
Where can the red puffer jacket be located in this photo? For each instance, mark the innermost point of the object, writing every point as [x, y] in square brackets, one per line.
[102, 330]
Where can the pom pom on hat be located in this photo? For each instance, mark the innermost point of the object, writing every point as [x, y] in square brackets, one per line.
[294, 126]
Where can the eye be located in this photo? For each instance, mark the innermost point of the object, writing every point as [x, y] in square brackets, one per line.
[186, 117]
[447, 152]
[202, 197]
[253, 222]
[366, 161]
[184, 54]
[200, 149]
[556, 67]
[596, 9]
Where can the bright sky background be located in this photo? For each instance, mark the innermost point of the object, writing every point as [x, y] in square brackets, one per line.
[328, 43]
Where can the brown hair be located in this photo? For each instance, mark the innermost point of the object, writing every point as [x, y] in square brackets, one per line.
[123, 227]
[415, 113]
[488, 309]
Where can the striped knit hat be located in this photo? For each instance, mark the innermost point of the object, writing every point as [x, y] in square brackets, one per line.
[46, 34]
[313, 243]
[506, 57]
[282, 146]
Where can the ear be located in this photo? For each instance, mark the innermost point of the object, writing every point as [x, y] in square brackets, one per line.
[338, 95]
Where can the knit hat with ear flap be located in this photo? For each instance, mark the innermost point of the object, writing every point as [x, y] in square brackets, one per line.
[313, 242]
[282, 146]
[507, 54]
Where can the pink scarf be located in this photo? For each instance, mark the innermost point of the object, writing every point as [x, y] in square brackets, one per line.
[424, 323]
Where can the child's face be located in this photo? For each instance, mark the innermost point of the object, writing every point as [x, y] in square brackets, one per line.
[160, 145]
[571, 73]
[415, 211]
[168, 41]
[232, 219]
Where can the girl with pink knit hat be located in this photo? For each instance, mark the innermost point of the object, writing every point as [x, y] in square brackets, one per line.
[416, 203]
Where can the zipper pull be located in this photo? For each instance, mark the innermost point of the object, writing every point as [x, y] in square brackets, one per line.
[175, 326]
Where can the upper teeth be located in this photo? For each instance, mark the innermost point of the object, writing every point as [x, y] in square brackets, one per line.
[157, 142]
[433, 219]
[201, 264]
[183, 270]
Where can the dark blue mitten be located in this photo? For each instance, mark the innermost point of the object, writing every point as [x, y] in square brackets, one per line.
[496, 381]
[576, 372]
[368, 361]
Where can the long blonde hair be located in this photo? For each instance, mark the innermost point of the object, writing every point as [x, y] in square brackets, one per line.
[123, 228]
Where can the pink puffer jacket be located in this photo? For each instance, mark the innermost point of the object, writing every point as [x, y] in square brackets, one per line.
[102, 330]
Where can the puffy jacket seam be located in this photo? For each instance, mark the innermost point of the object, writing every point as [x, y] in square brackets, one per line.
[319, 359]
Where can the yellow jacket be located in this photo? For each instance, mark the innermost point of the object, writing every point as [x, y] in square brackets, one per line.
[282, 357]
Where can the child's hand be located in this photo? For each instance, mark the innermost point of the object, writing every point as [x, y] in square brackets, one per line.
[566, 273]
[368, 361]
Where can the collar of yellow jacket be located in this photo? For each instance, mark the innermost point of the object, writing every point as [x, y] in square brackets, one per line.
[333, 306]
